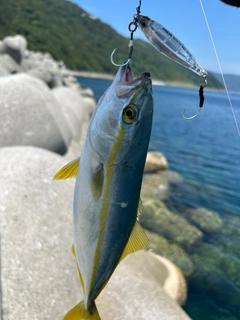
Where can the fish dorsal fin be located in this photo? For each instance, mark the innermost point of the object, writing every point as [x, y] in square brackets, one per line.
[137, 241]
[70, 170]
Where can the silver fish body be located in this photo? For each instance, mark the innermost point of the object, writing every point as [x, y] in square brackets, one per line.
[109, 179]
[108, 184]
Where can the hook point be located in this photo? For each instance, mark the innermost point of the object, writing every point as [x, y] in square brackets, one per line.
[118, 65]
[190, 118]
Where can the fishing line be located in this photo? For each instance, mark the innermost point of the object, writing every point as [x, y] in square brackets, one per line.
[220, 67]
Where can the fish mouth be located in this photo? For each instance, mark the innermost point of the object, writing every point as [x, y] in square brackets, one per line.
[127, 85]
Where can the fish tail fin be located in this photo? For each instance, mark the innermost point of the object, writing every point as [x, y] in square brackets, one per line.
[79, 312]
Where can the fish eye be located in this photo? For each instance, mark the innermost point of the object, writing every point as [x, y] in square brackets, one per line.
[129, 114]
[143, 24]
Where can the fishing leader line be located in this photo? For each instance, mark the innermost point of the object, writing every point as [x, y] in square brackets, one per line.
[220, 67]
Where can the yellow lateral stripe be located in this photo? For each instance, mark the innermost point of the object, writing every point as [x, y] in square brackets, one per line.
[105, 204]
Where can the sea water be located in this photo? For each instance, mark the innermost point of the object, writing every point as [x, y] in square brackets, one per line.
[206, 152]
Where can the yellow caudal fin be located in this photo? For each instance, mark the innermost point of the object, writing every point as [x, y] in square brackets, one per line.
[80, 313]
[70, 170]
[137, 240]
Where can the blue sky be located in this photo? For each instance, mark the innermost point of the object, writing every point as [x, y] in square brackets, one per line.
[184, 18]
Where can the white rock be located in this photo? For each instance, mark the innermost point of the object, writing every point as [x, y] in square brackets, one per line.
[38, 271]
[135, 291]
[30, 115]
[3, 72]
[74, 108]
[9, 64]
[15, 46]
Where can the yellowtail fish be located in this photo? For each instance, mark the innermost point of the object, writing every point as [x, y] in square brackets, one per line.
[108, 182]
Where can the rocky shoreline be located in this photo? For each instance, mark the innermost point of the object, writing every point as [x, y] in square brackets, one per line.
[44, 116]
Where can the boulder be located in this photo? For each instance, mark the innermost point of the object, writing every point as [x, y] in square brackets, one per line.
[87, 92]
[157, 218]
[9, 64]
[2, 47]
[38, 274]
[15, 46]
[32, 60]
[39, 277]
[171, 251]
[206, 220]
[155, 161]
[30, 115]
[44, 67]
[136, 290]
[73, 107]
[41, 74]
[154, 186]
[3, 72]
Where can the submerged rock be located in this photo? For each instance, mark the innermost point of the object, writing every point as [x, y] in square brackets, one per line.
[157, 218]
[173, 252]
[30, 115]
[154, 185]
[206, 220]
[155, 161]
[217, 272]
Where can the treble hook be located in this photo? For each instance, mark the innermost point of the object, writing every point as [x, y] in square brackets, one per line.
[118, 65]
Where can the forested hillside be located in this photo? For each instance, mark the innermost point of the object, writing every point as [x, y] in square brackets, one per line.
[72, 35]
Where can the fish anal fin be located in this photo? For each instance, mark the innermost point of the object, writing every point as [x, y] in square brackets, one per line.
[70, 170]
[73, 251]
[79, 272]
[137, 241]
[79, 312]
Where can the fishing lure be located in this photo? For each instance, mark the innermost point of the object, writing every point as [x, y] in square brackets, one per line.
[169, 45]
[166, 43]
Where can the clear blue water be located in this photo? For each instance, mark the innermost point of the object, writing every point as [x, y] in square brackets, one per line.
[206, 152]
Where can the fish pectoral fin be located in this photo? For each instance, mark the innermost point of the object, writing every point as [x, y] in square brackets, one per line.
[137, 241]
[70, 170]
[79, 312]
[97, 182]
